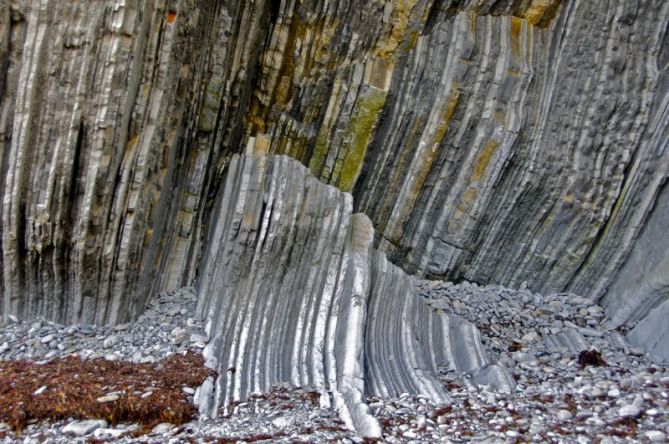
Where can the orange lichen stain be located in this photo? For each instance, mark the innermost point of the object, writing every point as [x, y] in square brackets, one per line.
[483, 161]
[171, 16]
[516, 29]
[542, 12]
[148, 234]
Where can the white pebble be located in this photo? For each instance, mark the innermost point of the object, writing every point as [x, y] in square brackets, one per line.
[564, 415]
[629, 411]
[656, 436]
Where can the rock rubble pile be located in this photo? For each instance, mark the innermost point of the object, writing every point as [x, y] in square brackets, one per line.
[555, 398]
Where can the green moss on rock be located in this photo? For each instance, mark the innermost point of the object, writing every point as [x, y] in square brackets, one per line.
[364, 119]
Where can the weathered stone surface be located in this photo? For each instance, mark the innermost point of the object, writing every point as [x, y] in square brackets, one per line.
[500, 142]
[497, 141]
[108, 146]
[291, 291]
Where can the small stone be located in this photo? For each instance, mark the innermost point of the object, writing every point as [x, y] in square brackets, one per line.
[421, 423]
[146, 395]
[629, 411]
[188, 390]
[173, 311]
[409, 434]
[82, 428]
[281, 422]
[110, 341]
[613, 393]
[108, 398]
[178, 335]
[40, 390]
[656, 436]
[564, 415]
[106, 434]
[198, 338]
[530, 337]
[46, 339]
[162, 428]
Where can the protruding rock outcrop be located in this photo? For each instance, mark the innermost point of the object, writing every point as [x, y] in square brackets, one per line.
[292, 291]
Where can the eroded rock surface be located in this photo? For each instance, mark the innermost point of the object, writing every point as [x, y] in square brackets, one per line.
[496, 141]
[292, 292]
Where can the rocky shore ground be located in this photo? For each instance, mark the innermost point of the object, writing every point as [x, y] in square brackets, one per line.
[575, 381]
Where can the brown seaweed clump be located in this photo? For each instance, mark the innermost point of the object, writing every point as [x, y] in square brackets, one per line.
[591, 357]
[72, 387]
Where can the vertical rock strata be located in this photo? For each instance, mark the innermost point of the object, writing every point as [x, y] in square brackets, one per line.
[292, 291]
[496, 141]
[112, 123]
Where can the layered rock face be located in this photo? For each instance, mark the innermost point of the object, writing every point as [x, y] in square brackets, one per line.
[115, 117]
[291, 291]
[496, 141]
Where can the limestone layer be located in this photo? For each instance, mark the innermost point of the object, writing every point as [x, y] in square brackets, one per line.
[292, 291]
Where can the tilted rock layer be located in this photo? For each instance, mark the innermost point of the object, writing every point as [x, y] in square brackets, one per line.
[291, 291]
[495, 141]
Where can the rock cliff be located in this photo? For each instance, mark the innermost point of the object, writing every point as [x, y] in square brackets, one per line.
[495, 141]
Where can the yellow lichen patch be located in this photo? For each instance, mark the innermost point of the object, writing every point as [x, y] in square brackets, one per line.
[147, 236]
[500, 116]
[473, 15]
[388, 42]
[283, 90]
[483, 161]
[516, 29]
[171, 16]
[319, 154]
[262, 145]
[458, 218]
[446, 116]
[365, 116]
[467, 200]
[413, 40]
[541, 12]
[257, 123]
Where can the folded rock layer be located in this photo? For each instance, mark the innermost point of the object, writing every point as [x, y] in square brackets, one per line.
[292, 292]
[498, 141]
